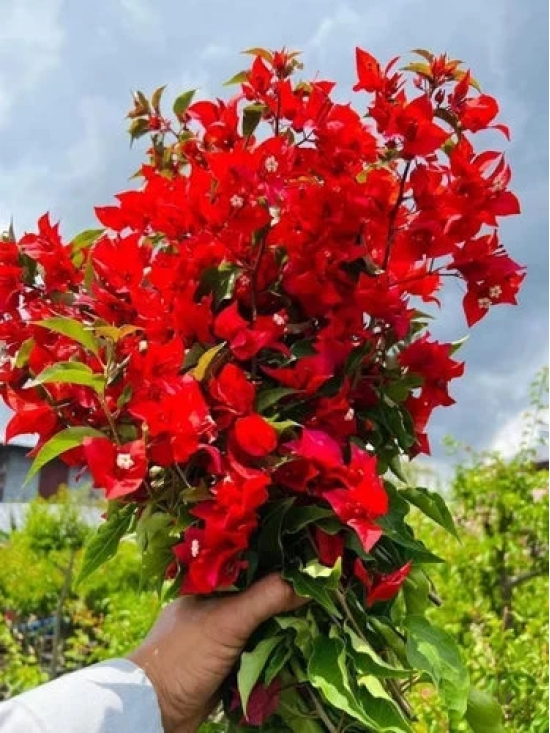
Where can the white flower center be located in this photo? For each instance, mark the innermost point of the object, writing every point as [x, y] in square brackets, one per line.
[484, 302]
[124, 461]
[195, 548]
[495, 291]
[142, 346]
[350, 414]
[271, 164]
[236, 201]
[275, 212]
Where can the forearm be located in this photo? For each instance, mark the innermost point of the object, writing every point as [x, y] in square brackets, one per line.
[111, 697]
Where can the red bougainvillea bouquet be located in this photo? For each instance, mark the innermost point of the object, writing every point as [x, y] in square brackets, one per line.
[240, 359]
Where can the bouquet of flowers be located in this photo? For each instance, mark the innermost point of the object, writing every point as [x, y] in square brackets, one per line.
[240, 358]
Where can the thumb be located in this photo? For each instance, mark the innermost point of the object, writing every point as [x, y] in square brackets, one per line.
[241, 614]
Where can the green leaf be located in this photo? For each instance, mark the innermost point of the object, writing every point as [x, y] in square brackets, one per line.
[220, 281]
[138, 128]
[154, 538]
[72, 329]
[314, 588]
[156, 97]
[281, 425]
[395, 465]
[304, 628]
[300, 516]
[456, 345]
[252, 665]
[183, 101]
[271, 549]
[262, 52]
[432, 504]
[396, 529]
[212, 727]
[483, 713]
[369, 662]
[330, 576]
[270, 397]
[239, 78]
[104, 543]
[70, 372]
[279, 658]
[252, 114]
[59, 444]
[115, 333]
[206, 361]
[435, 652]
[85, 239]
[24, 352]
[371, 706]
[416, 591]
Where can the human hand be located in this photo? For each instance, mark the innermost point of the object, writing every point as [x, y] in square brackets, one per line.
[195, 643]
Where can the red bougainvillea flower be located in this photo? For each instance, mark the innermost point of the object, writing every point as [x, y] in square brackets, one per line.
[233, 392]
[329, 546]
[432, 361]
[118, 470]
[263, 702]
[254, 435]
[381, 587]
[249, 323]
[210, 566]
[363, 501]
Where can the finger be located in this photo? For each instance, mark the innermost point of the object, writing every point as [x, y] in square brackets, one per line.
[241, 614]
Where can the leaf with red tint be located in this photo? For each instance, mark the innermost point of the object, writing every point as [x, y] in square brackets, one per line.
[263, 702]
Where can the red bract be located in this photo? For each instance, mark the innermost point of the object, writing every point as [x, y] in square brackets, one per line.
[381, 587]
[254, 435]
[118, 470]
[363, 501]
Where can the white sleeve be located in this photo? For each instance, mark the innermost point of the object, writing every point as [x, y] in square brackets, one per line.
[110, 697]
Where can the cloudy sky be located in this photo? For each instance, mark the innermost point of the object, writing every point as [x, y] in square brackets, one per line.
[67, 70]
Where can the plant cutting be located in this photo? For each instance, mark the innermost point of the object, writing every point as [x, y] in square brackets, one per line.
[240, 356]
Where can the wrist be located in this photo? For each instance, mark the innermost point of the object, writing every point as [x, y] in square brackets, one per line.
[172, 721]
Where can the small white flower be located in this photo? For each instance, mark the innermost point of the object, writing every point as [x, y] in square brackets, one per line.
[142, 346]
[484, 302]
[155, 471]
[495, 292]
[350, 414]
[124, 461]
[195, 548]
[278, 319]
[275, 212]
[271, 164]
[236, 201]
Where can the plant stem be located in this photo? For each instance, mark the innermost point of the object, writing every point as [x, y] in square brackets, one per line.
[301, 677]
[59, 614]
[347, 612]
[254, 276]
[321, 713]
[393, 214]
[110, 419]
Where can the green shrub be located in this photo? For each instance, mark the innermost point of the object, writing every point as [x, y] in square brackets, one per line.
[494, 588]
[104, 617]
